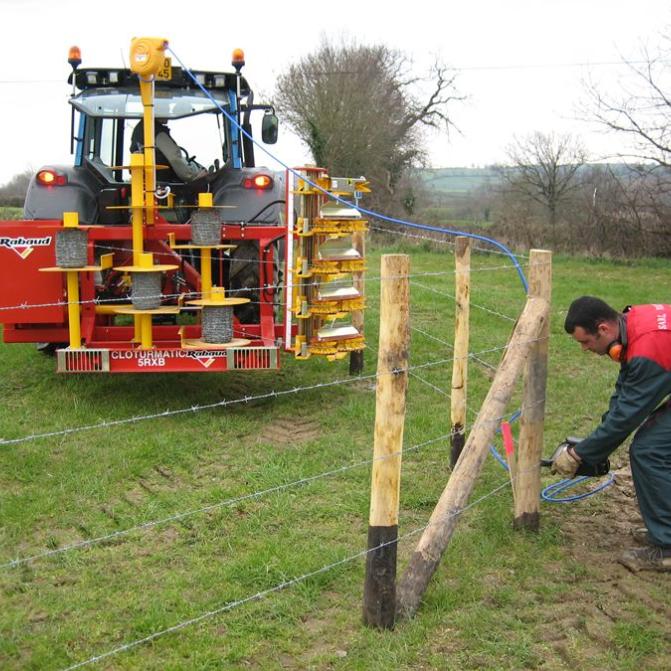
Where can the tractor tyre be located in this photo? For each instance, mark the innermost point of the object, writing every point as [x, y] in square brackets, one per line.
[245, 282]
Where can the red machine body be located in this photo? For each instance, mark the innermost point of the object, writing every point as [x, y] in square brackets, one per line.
[35, 305]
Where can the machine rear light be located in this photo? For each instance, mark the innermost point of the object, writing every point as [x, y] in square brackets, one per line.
[50, 177]
[262, 182]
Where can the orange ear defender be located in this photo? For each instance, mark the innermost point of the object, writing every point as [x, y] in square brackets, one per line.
[616, 350]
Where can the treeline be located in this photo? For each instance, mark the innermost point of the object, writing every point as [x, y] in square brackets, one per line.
[13, 193]
[614, 211]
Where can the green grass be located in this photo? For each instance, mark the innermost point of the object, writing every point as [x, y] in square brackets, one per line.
[11, 212]
[485, 607]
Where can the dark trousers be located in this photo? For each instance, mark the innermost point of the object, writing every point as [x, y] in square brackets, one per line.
[650, 457]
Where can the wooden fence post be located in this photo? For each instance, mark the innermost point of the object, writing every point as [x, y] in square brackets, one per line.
[379, 599]
[462, 257]
[356, 358]
[438, 532]
[530, 449]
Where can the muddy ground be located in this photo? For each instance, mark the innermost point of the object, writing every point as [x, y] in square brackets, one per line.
[608, 617]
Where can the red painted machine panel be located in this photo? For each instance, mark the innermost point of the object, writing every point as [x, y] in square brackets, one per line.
[25, 247]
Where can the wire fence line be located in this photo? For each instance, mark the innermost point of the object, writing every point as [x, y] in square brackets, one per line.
[471, 303]
[443, 241]
[256, 259]
[215, 506]
[196, 294]
[245, 399]
[227, 607]
[253, 495]
[472, 355]
[475, 413]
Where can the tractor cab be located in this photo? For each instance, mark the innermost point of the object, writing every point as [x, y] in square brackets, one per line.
[212, 153]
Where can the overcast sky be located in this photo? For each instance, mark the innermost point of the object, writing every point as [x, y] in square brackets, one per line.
[521, 62]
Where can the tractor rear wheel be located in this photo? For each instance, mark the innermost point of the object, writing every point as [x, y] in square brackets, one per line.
[245, 280]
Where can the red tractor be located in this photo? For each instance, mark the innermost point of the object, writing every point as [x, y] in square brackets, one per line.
[138, 257]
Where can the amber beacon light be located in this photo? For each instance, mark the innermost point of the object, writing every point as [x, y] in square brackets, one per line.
[75, 57]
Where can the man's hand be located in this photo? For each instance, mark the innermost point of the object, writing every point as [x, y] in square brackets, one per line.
[565, 463]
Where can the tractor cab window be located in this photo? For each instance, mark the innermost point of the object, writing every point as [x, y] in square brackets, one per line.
[101, 147]
[195, 122]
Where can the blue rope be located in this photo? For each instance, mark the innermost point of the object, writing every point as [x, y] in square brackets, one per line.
[549, 493]
[378, 215]
[558, 487]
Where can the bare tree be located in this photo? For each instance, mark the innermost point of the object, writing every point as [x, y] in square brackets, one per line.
[358, 109]
[642, 107]
[543, 168]
[641, 111]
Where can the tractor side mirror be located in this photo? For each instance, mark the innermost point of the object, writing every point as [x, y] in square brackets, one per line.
[269, 127]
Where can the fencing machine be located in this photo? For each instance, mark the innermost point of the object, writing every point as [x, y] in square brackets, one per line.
[140, 257]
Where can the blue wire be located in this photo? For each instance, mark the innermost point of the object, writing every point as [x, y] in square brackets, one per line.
[378, 215]
[548, 494]
[557, 487]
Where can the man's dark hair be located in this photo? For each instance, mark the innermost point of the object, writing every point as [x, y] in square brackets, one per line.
[588, 312]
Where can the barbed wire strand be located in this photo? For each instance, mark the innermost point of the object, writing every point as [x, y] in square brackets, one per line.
[220, 504]
[195, 294]
[253, 495]
[471, 303]
[283, 585]
[226, 403]
[471, 355]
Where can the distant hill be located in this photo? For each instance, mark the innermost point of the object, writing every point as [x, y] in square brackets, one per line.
[457, 180]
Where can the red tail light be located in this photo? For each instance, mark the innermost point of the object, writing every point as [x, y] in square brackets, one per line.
[261, 181]
[51, 177]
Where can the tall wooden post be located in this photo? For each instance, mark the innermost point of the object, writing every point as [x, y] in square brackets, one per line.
[529, 452]
[356, 358]
[379, 599]
[462, 257]
[442, 523]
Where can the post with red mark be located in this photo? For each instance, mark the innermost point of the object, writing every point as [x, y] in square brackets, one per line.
[530, 446]
[509, 447]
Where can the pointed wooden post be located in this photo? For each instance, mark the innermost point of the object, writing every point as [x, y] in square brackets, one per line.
[530, 449]
[462, 282]
[379, 599]
[442, 523]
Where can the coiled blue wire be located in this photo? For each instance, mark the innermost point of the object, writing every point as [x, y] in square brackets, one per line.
[549, 494]
[557, 487]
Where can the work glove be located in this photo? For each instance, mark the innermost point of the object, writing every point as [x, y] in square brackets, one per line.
[565, 464]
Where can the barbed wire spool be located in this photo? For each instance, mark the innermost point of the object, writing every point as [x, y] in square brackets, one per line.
[71, 248]
[217, 325]
[146, 290]
[205, 228]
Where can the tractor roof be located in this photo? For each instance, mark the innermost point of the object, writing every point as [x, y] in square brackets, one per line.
[88, 78]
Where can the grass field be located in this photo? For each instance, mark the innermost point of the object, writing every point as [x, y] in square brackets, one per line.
[11, 213]
[238, 528]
